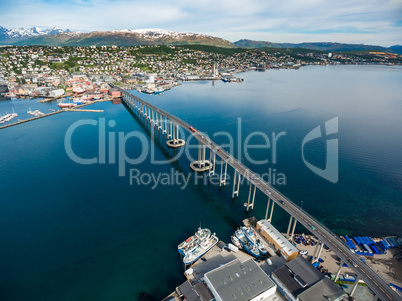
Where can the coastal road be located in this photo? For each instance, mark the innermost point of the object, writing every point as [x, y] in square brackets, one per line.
[369, 276]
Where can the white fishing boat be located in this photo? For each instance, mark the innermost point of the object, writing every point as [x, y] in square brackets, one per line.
[197, 245]
[251, 248]
[250, 235]
[261, 247]
[236, 242]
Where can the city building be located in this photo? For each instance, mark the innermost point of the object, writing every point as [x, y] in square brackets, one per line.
[240, 281]
[298, 280]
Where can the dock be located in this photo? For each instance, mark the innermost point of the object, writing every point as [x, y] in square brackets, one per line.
[56, 112]
[50, 98]
[219, 256]
[84, 110]
[30, 119]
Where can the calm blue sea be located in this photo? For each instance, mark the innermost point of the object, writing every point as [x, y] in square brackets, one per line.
[73, 231]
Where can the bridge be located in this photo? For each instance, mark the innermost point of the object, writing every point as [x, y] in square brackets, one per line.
[169, 124]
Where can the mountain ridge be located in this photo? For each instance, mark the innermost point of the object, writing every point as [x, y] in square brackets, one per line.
[153, 36]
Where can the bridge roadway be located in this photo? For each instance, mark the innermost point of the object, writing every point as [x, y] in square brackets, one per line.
[369, 276]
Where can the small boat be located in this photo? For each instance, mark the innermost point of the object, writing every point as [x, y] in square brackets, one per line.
[159, 91]
[236, 242]
[261, 247]
[66, 105]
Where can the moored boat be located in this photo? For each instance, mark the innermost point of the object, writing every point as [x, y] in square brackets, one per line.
[236, 242]
[66, 105]
[197, 245]
[250, 235]
[247, 245]
[261, 247]
[159, 91]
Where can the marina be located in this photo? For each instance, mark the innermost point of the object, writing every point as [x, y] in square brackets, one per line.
[223, 254]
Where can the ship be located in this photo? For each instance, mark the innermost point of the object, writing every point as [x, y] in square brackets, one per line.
[194, 247]
[250, 248]
[159, 91]
[66, 105]
[250, 235]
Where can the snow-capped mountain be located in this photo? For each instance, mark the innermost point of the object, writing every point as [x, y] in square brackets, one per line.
[156, 33]
[16, 34]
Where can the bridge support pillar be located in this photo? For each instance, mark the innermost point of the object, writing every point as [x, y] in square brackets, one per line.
[355, 286]
[294, 227]
[290, 225]
[339, 270]
[176, 141]
[160, 122]
[201, 164]
[222, 178]
[317, 252]
[251, 205]
[236, 176]
[272, 212]
[268, 203]
[212, 170]
[315, 257]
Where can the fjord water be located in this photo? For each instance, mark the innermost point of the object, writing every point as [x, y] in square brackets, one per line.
[80, 232]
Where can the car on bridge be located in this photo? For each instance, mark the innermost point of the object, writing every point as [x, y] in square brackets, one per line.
[354, 264]
[311, 227]
[193, 129]
[282, 202]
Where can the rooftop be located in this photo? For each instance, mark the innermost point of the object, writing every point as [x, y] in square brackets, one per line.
[323, 290]
[279, 239]
[305, 270]
[239, 280]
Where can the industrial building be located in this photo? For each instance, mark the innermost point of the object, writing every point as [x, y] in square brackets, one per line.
[239, 281]
[275, 238]
[298, 280]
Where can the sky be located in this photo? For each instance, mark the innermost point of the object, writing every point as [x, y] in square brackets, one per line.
[377, 22]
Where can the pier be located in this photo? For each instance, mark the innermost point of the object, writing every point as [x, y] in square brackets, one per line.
[54, 113]
[51, 98]
[84, 110]
[167, 124]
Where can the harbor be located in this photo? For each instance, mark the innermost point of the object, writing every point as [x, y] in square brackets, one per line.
[326, 267]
